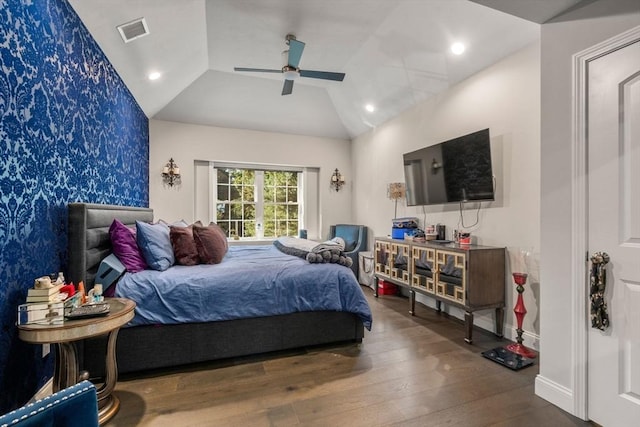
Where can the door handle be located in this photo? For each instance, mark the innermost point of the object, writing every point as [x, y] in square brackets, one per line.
[597, 287]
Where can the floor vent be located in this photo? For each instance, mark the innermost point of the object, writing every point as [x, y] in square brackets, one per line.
[133, 30]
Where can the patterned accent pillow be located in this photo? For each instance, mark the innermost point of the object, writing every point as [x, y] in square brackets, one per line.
[155, 244]
[211, 242]
[184, 246]
[125, 247]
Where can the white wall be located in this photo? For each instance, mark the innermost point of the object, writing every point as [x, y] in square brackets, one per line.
[560, 40]
[190, 143]
[505, 98]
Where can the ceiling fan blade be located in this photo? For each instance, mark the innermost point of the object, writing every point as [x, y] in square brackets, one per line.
[324, 75]
[288, 87]
[260, 70]
[295, 52]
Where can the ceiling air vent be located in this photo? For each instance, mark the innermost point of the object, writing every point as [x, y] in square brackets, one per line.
[133, 30]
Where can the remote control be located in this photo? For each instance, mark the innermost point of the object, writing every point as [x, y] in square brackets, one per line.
[89, 310]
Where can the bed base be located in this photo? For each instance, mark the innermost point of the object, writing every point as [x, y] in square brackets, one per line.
[146, 347]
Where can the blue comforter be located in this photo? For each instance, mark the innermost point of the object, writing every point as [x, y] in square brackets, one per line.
[251, 281]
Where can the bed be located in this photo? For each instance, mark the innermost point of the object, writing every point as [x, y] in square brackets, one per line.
[150, 343]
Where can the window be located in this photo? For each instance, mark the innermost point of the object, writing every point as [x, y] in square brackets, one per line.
[281, 207]
[254, 203]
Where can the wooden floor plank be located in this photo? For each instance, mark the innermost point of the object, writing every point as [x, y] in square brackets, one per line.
[408, 371]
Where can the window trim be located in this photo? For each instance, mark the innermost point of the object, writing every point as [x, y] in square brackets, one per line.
[302, 192]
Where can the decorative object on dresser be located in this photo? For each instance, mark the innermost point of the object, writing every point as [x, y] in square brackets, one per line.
[404, 227]
[171, 173]
[470, 277]
[337, 180]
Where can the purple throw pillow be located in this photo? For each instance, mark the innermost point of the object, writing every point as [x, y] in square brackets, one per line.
[211, 242]
[123, 241]
[184, 246]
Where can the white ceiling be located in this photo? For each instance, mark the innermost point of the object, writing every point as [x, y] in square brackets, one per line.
[394, 53]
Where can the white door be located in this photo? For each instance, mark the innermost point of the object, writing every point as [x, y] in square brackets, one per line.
[613, 135]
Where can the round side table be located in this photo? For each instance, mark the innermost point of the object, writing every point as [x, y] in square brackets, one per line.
[64, 336]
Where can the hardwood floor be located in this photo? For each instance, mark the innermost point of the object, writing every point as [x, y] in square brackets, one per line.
[408, 371]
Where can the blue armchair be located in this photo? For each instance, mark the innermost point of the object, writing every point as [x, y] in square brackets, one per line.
[75, 406]
[355, 241]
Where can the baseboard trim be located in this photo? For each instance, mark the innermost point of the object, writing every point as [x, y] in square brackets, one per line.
[557, 394]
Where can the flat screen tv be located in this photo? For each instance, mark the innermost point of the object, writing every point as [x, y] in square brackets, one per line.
[457, 170]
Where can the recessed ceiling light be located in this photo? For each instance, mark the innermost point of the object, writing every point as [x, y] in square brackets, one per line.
[154, 76]
[370, 108]
[458, 48]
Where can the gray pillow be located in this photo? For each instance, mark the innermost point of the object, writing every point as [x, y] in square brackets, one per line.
[155, 244]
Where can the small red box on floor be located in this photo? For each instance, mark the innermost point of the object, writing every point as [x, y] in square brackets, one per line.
[386, 288]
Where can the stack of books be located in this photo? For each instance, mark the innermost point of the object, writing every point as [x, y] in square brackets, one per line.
[46, 295]
[41, 313]
[43, 306]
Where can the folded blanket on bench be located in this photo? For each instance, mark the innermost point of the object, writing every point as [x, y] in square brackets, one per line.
[328, 251]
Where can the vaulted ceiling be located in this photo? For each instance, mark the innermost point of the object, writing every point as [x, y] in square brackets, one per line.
[395, 53]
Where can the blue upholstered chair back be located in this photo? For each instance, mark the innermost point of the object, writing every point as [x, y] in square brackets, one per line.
[355, 240]
[75, 406]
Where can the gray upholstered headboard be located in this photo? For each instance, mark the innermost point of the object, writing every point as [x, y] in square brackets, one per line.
[88, 232]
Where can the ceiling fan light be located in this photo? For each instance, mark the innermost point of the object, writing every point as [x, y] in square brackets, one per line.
[291, 75]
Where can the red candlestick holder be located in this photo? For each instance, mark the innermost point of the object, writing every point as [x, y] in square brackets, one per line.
[520, 311]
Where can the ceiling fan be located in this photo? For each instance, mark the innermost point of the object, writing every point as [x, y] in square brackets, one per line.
[291, 70]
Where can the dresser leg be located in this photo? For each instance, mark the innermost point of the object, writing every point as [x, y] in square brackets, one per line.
[375, 283]
[412, 302]
[439, 306]
[500, 322]
[468, 323]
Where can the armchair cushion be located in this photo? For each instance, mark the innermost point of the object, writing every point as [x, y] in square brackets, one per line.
[351, 234]
[355, 241]
[75, 406]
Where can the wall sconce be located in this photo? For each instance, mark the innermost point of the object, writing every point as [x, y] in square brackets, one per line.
[337, 180]
[435, 165]
[395, 191]
[171, 173]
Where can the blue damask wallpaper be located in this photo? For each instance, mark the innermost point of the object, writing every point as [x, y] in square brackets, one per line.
[69, 131]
